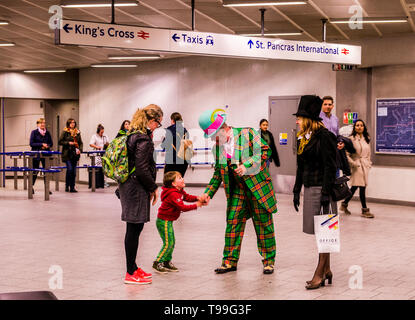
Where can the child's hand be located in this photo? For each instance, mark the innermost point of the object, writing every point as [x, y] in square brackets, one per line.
[199, 204]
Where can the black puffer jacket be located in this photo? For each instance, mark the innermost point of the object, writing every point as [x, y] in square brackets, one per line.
[316, 166]
[135, 192]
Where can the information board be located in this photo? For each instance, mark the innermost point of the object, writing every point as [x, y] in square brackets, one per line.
[395, 126]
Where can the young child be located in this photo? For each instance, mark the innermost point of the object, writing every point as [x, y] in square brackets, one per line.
[172, 197]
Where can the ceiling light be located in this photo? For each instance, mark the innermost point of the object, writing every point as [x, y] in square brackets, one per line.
[7, 44]
[44, 71]
[272, 34]
[135, 57]
[260, 3]
[369, 20]
[113, 65]
[101, 4]
[3, 23]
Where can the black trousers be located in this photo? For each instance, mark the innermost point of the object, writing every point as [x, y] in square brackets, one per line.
[70, 173]
[99, 178]
[36, 165]
[132, 236]
[362, 195]
[177, 167]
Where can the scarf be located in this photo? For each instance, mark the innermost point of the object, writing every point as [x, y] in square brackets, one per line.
[74, 132]
[42, 132]
[304, 140]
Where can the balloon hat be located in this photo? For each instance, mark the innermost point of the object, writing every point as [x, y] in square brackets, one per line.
[211, 120]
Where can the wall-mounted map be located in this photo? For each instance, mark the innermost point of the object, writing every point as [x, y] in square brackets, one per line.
[395, 126]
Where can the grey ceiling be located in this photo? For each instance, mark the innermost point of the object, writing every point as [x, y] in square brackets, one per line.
[35, 47]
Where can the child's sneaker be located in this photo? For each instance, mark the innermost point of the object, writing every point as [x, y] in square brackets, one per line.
[159, 267]
[142, 274]
[170, 266]
[134, 279]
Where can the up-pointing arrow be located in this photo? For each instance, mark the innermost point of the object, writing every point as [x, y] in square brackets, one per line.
[250, 43]
[67, 28]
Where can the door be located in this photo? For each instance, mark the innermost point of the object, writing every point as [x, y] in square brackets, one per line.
[284, 129]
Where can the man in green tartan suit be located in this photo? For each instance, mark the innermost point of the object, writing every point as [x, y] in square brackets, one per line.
[240, 163]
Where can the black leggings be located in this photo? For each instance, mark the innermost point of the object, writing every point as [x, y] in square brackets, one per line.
[362, 195]
[131, 245]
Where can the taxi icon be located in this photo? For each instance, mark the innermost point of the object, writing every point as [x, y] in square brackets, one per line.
[209, 40]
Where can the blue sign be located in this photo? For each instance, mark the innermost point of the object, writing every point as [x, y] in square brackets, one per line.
[395, 126]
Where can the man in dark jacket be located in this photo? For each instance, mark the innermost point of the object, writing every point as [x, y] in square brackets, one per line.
[40, 140]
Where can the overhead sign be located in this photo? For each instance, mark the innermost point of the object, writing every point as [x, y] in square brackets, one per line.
[179, 41]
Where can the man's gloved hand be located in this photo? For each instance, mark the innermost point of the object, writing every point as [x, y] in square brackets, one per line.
[325, 200]
[296, 201]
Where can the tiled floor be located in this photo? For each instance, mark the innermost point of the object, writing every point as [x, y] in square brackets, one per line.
[83, 235]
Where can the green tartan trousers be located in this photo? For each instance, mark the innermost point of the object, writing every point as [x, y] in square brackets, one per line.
[243, 205]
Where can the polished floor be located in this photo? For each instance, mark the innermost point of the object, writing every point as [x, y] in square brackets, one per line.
[72, 245]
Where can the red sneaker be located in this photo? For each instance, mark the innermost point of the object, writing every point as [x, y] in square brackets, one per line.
[134, 279]
[142, 274]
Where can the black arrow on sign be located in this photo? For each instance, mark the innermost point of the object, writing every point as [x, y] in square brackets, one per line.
[175, 37]
[67, 28]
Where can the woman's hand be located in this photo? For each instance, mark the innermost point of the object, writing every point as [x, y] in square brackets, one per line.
[154, 196]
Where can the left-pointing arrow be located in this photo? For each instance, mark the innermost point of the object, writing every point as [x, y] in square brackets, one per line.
[67, 28]
[175, 37]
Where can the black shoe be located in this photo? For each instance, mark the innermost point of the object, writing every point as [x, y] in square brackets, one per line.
[66, 189]
[33, 191]
[73, 191]
[269, 269]
[50, 192]
[225, 269]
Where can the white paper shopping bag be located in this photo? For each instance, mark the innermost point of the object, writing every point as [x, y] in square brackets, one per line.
[327, 231]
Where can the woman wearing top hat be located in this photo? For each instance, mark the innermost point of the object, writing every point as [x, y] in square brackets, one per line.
[316, 170]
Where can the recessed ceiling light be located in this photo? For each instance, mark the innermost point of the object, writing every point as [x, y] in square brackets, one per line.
[370, 20]
[45, 71]
[260, 3]
[98, 4]
[272, 34]
[113, 65]
[3, 23]
[135, 57]
[7, 44]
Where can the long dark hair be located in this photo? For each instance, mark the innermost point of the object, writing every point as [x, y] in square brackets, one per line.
[123, 124]
[365, 133]
[262, 121]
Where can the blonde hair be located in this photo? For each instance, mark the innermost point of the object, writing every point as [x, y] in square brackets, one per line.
[142, 116]
[309, 125]
[40, 120]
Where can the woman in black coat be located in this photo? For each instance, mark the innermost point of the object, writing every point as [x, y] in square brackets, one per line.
[269, 139]
[316, 170]
[140, 188]
[72, 144]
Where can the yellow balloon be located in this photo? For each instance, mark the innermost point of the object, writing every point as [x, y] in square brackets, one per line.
[212, 118]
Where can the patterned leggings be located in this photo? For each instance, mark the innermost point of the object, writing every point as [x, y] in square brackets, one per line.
[165, 229]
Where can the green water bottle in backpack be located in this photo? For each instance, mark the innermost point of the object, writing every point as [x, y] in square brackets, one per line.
[115, 159]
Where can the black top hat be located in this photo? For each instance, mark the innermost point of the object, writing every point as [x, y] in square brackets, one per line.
[309, 107]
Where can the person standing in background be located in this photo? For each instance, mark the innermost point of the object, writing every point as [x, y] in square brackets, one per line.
[330, 121]
[40, 140]
[171, 143]
[269, 139]
[99, 142]
[71, 143]
[125, 127]
[360, 164]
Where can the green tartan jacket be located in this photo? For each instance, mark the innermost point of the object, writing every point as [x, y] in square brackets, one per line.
[251, 151]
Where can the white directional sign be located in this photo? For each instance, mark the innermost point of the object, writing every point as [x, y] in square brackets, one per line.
[179, 41]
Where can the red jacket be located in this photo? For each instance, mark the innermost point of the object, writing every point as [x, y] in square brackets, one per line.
[172, 203]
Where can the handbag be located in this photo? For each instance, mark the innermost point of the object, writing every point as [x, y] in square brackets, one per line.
[327, 232]
[186, 151]
[340, 189]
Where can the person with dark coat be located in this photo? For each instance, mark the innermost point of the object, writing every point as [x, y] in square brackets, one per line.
[171, 143]
[269, 139]
[71, 143]
[40, 140]
[344, 144]
[140, 188]
[316, 170]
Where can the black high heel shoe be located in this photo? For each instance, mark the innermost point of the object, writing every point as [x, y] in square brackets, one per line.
[311, 285]
[328, 276]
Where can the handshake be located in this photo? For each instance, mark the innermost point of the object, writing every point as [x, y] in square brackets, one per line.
[202, 200]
